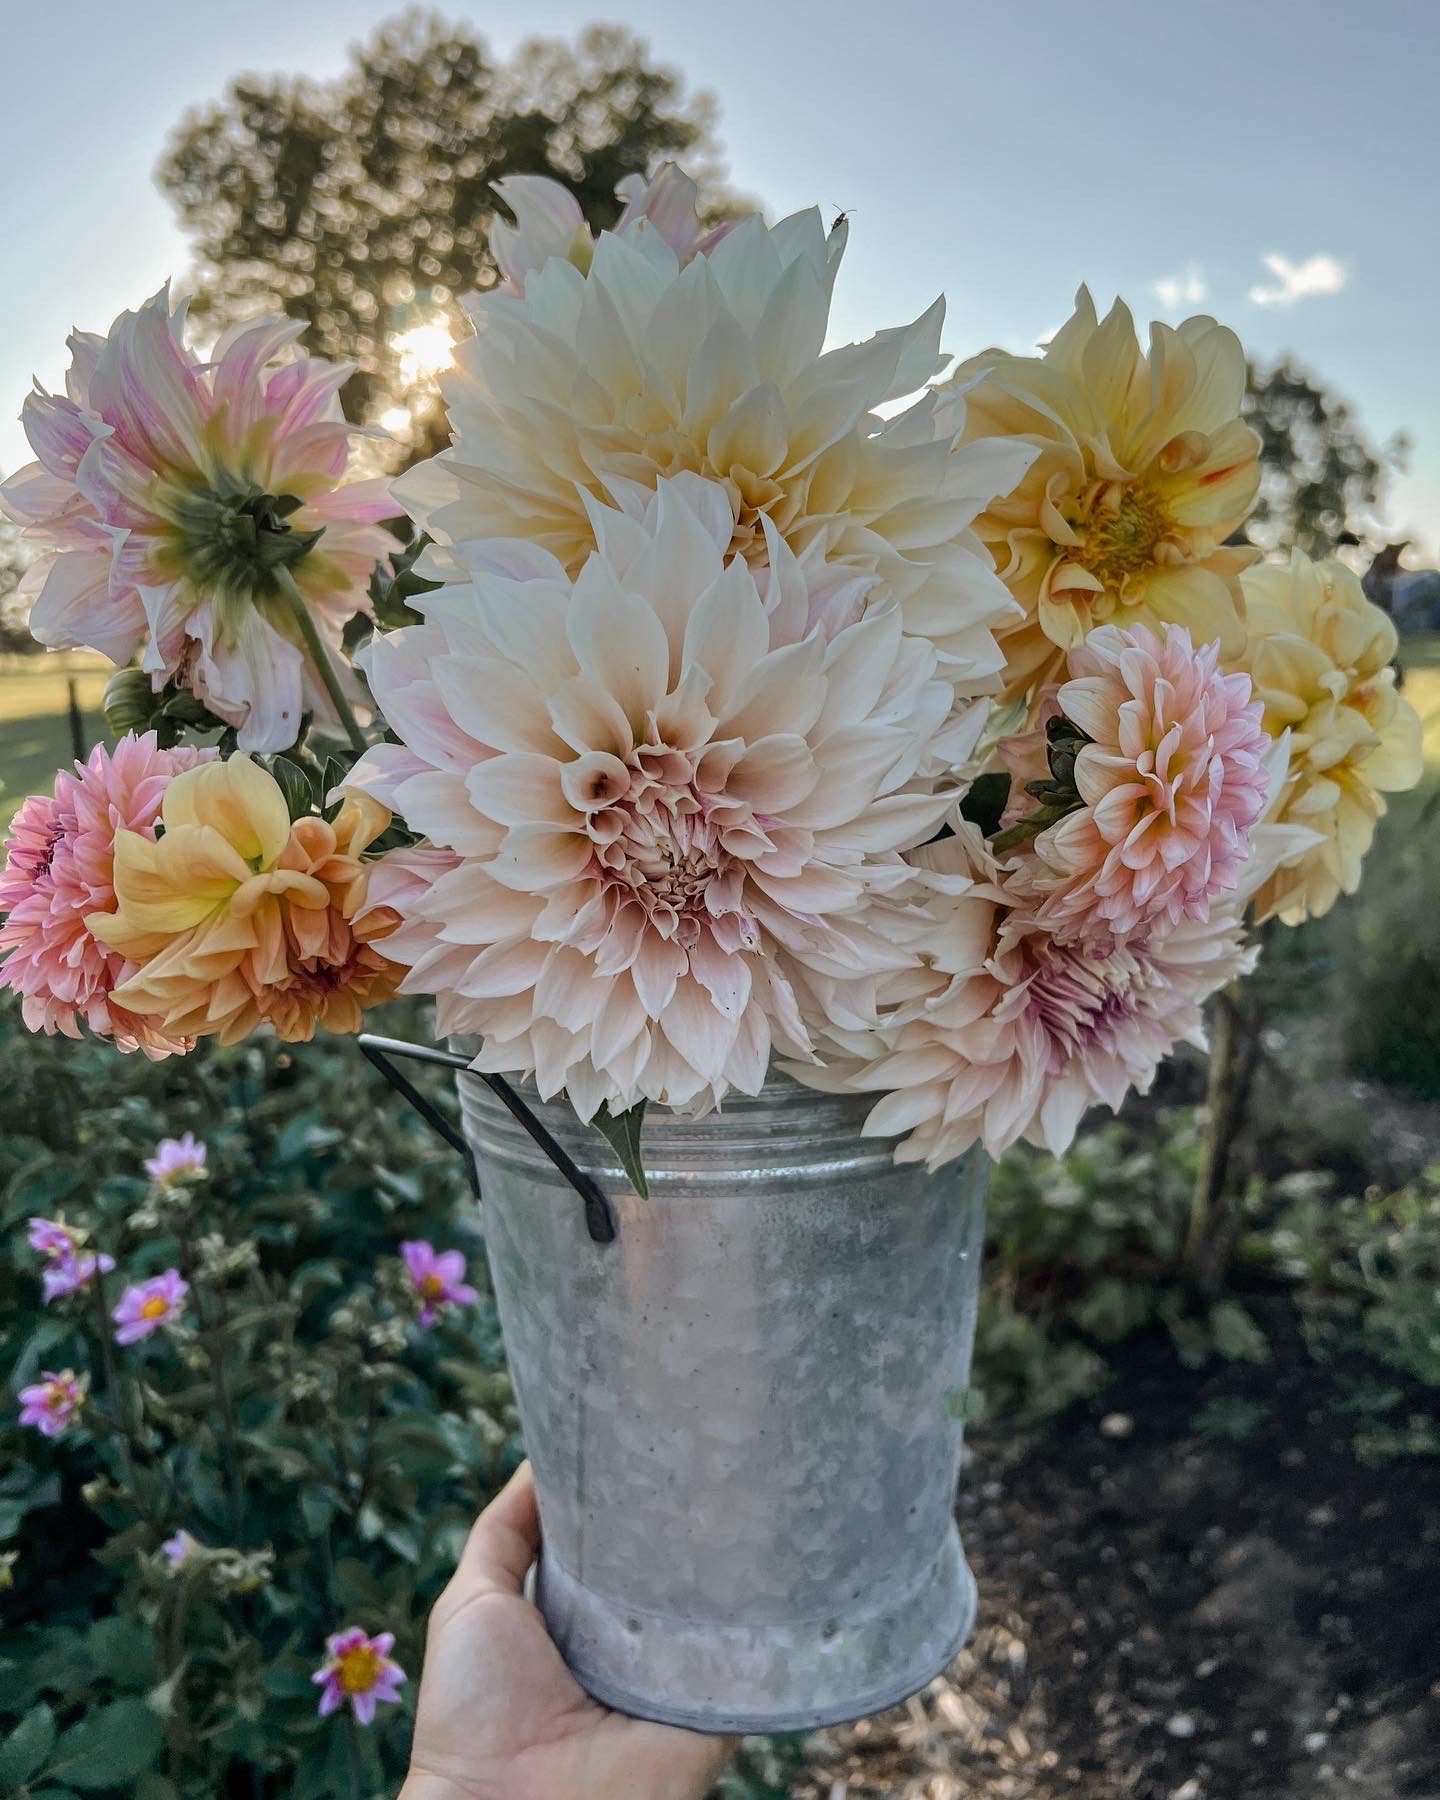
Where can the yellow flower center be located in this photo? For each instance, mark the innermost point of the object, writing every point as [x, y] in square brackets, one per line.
[155, 1307]
[359, 1669]
[1120, 534]
[432, 1287]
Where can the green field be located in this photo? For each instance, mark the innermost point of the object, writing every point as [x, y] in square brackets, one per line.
[35, 721]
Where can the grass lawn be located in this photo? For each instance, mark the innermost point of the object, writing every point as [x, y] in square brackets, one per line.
[35, 721]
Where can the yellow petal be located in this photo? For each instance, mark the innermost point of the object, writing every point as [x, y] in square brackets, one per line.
[239, 800]
[172, 885]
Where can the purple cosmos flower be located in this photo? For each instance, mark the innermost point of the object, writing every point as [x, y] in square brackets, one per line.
[178, 1550]
[68, 1267]
[52, 1238]
[67, 1273]
[176, 1159]
[145, 1308]
[52, 1402]
[358, 1669]
[438, 1277]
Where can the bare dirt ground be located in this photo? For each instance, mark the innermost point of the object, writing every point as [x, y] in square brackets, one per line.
[1169, 1614]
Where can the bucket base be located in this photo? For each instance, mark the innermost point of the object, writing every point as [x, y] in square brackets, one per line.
[748, 1680]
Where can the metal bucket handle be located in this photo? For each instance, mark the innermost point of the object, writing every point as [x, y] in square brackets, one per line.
[599, 1215]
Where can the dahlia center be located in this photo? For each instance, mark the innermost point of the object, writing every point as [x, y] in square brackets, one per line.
[359, 1669]
[1120, 535]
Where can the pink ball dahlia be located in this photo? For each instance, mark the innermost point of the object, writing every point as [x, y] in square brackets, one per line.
[59, 867]
[661, 800]
[1170, 784]
[173, 497]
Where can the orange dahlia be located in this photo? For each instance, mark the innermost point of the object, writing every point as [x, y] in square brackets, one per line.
[239, 918]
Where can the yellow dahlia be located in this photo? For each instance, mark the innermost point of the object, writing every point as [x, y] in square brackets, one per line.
[1319, 658]
[1144, 468]
[239, 918]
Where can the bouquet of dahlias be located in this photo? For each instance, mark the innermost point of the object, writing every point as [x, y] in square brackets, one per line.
[939, 755]
[735, 705]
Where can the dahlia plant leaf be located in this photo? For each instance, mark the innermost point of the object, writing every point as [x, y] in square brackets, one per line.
[622, 1132]
[295, 785]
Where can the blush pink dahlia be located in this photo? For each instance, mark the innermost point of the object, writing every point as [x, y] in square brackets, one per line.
[1011, 1032]
[59, 868]
[360, 1669]
[51, 1403]
[175, 500]
[438, 1278]
[144, 1308]
[1169, 784]
[662, 800]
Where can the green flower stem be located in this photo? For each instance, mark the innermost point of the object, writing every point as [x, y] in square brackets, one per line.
[320, 657]
[112, 1377]
[210, 1341]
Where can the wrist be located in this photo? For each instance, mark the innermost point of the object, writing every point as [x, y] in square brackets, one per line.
[420, 1785]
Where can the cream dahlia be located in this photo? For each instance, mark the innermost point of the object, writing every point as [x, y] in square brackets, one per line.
[1165, 766]
[1008, 1032]
[1319, 655]
[59, 868]
[591, 388]
[1143, 468]
[176, 500]
[663, 798]
[237, 918]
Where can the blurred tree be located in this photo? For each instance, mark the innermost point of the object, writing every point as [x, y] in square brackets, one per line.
[362, 204]
[1320, 474]
[14, 630]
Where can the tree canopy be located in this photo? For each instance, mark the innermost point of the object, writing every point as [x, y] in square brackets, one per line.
[362, 204]
[1320, 473]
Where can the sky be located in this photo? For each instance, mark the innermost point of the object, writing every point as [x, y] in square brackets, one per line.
[1273, 165]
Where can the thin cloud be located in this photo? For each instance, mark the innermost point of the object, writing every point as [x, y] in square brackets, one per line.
[1173, 291]
[1299, 281]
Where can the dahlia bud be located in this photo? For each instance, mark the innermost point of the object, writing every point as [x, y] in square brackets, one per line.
[129, 702]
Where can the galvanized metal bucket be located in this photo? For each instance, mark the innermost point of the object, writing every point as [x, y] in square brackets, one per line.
[740, 1411]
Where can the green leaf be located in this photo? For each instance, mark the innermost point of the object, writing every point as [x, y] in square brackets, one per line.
[622, 1132]
[23, 1753]
[294, 785]
[123, 1649]
[110, 1747]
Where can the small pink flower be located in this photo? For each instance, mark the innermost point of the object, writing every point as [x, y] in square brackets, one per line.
[176, 1159]
[68, 1274]
[438, 1278]
[52, 1238]
[178, 1550]
[358, 1669]
[52, 1402]
[68, 1267]
[143, 1309]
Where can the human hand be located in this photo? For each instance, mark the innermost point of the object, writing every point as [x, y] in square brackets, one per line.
[500, 1717]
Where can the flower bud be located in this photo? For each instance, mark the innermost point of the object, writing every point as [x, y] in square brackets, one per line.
[129, 703]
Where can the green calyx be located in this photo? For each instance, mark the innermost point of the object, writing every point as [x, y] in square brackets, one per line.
[236, 538]
[1058, 795]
